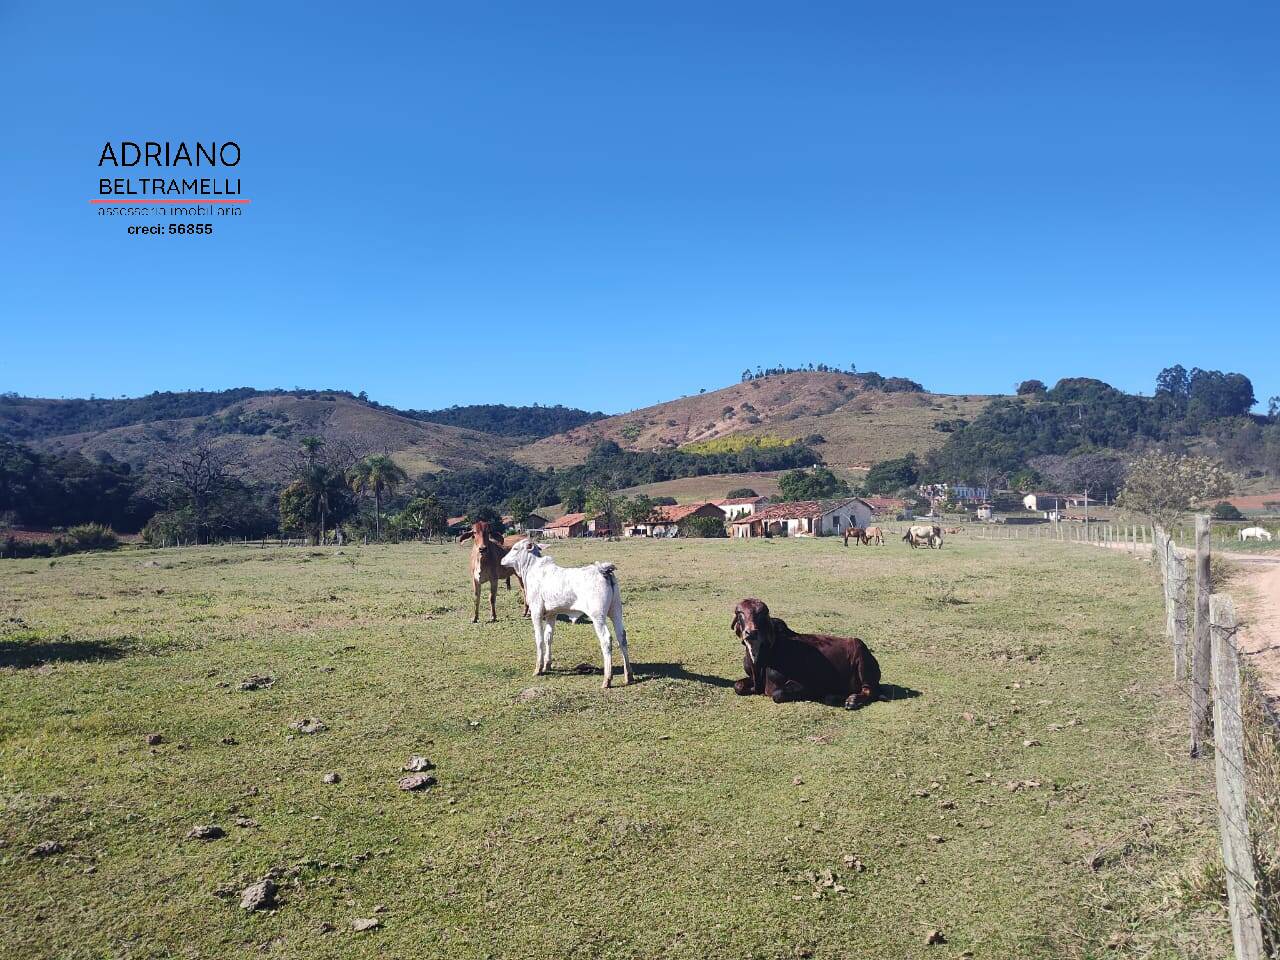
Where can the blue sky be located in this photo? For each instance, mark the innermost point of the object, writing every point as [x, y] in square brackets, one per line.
[608, 206]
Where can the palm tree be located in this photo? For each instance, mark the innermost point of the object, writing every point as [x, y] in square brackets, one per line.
[316, 481]
[376, 475]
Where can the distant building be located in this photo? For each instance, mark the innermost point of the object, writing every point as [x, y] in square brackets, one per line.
[959, 492]
[665, 520]
[986, 512]
[804, 518]
[741, 506]
[1045, 502]
[535, 521]
[576, 525]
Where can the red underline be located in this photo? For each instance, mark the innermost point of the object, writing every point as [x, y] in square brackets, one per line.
[188, 200]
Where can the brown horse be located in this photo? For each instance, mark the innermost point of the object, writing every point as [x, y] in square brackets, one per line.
[855, 533]
[873, 534]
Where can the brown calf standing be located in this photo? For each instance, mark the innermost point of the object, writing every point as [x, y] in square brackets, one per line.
[487, 552]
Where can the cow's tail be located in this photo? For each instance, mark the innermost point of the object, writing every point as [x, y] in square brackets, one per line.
[606, 570]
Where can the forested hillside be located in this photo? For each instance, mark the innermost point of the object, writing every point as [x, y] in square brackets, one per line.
[497, 418]
[1203, 409]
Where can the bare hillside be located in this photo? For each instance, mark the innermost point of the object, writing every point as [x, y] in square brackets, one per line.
[860, 425]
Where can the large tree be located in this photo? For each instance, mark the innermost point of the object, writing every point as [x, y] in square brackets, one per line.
[638, 509]
[1174, 382]
[890, 476]
[818, 483]
[1099, 474]
[317, 497]
[425, 516]
[1164, 486]
[604, 503]
[192, 480]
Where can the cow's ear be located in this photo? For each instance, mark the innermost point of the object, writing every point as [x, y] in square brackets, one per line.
[736, 623]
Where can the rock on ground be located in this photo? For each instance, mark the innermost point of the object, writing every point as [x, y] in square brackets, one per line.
[417, 781]
[206, 831]
[259, 896]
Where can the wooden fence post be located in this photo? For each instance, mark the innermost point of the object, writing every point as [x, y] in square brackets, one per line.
[1178, 585]
[1228, 759]
[1200, 655]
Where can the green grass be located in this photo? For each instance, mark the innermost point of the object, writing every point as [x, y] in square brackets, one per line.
[666, 819]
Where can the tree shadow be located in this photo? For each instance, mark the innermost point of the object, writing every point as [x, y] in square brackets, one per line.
[25, 654]
[643, 672]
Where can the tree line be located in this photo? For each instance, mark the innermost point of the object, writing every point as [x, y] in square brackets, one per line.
[869, 379]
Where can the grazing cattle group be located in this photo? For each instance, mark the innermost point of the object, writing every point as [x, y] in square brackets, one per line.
[778, 662]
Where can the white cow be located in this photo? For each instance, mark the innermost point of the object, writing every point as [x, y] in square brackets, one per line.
[1254, 533]
[921, 536]
[551, 589]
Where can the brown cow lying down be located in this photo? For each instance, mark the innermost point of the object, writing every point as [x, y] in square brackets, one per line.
[786, 665]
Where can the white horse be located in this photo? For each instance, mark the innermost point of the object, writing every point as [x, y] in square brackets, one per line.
[551, 589]
[1254, 533]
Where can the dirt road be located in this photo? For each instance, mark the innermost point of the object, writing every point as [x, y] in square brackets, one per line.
[1257, 590]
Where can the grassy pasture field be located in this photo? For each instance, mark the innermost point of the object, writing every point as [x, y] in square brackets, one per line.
[1026, 792]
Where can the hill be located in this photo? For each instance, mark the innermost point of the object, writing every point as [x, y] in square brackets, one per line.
[258, 437]
[860, 424]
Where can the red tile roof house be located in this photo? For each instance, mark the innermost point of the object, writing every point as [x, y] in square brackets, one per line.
[576, 525]
[665, 520]
[804, 518]
[886, 506]
[735, 507]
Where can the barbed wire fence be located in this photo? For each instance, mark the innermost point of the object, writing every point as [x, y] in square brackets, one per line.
[1230, 717]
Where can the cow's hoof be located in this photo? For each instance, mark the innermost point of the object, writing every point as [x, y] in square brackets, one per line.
[853, 703]
[475, 619]
[492, 620]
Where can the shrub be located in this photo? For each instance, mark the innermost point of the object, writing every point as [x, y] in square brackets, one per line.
[740, 492]
[1226, 511]
[709, 527]
[93, 536]
[888, 476]
[1031, 388]
[736, 443]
